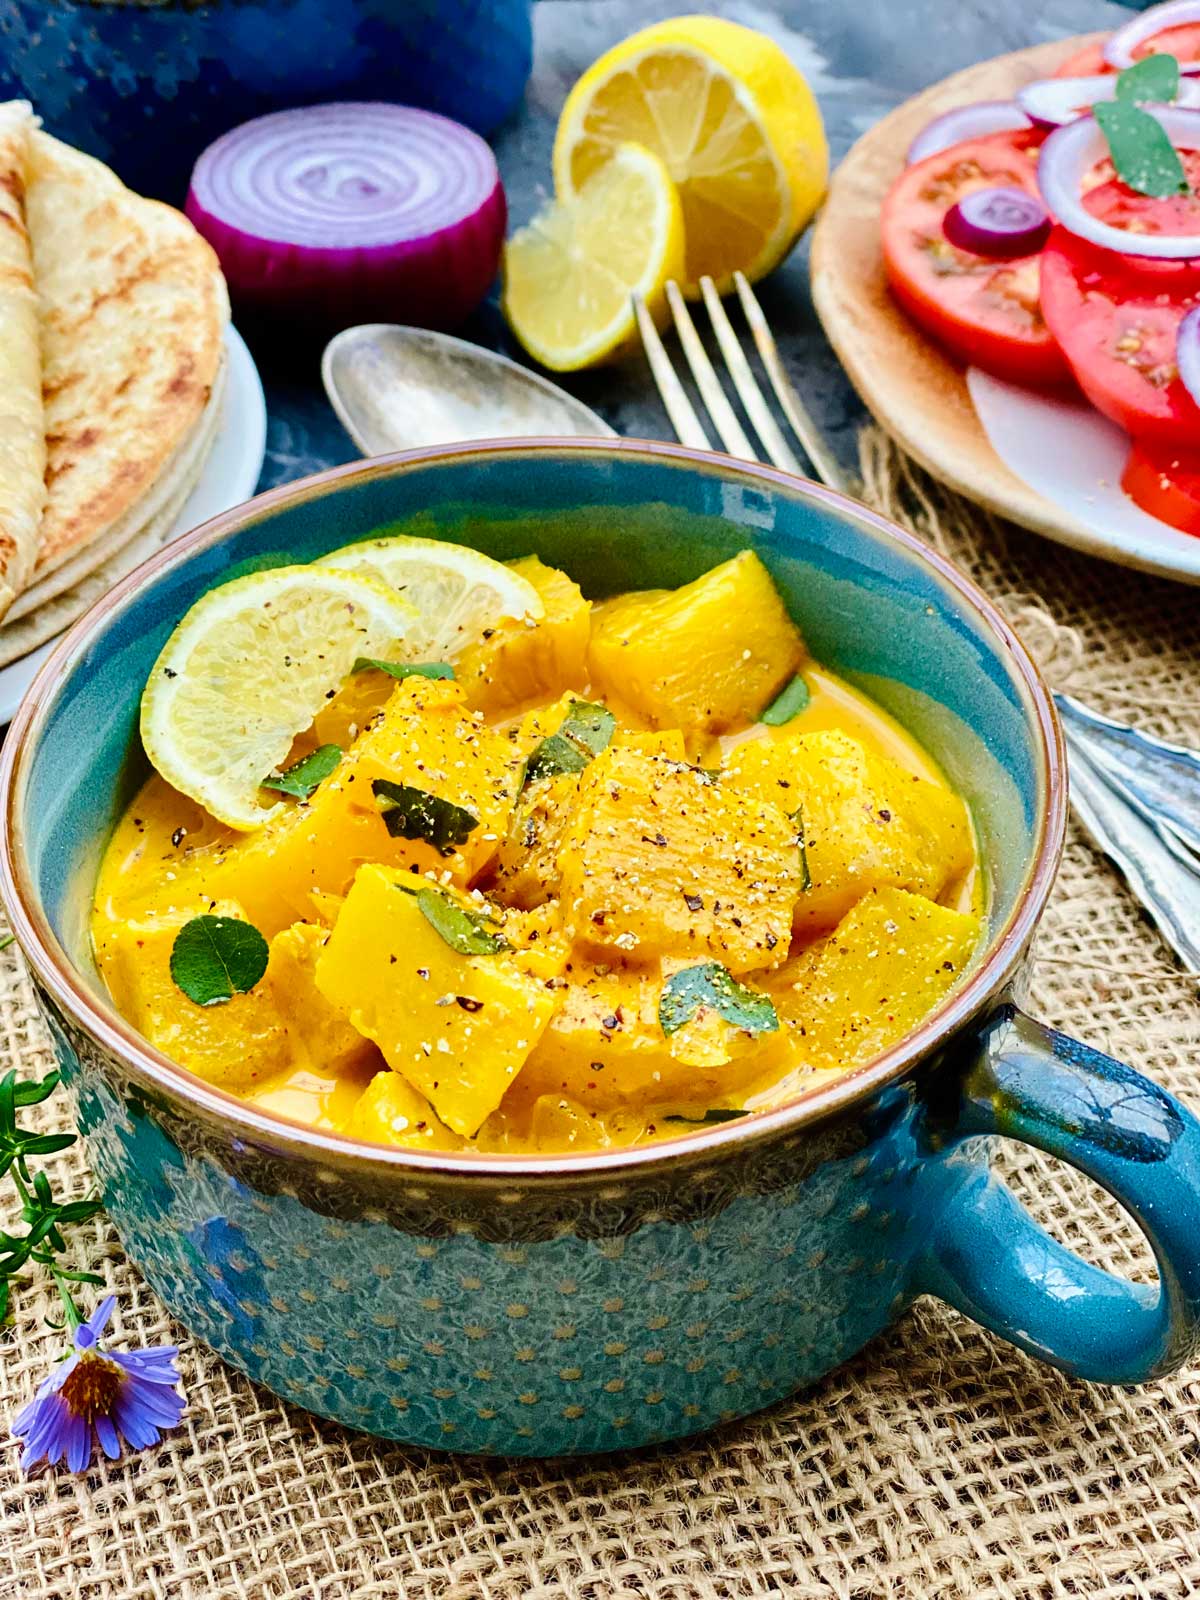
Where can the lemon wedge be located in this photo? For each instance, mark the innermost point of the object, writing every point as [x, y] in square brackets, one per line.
[733, 120]
[248, 669]
[457, 592]
[569, 275]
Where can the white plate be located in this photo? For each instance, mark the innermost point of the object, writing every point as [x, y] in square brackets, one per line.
[1073, 456]
[229, 476]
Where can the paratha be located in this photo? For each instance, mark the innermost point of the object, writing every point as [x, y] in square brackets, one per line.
[133, 310]
[22, 432]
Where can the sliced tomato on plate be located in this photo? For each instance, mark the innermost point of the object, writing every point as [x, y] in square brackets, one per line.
[1165, 482]
[1182, 42]
[983, 311]
[1116, 317]
[1085, 63]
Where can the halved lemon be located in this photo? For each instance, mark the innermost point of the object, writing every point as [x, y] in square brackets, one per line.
[570, 274]
[733, 120]
[248, 668]
[458, 592]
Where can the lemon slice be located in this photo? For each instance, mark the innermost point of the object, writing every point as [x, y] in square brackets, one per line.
[457, 591]
[735, 123]
[248, 669]
[569, 275]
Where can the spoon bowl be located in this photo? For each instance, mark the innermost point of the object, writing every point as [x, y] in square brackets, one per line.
[397, 388]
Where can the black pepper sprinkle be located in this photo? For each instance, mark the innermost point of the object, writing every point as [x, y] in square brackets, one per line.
[694, 902]
[468, 1004]
[178, 837]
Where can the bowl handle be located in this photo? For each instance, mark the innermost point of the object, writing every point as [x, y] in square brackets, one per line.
[991, 1260]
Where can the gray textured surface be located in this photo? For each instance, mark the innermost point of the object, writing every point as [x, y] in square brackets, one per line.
[861, 60]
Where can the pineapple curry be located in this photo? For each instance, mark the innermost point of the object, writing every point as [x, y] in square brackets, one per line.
[592, 876]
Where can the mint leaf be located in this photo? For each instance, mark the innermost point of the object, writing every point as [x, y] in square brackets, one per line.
[214, 958]
[468, 932]
[692, 988]
[1154, 77]
[303, 776]
[788, 703]
[583, 733]
[404, 669]
[1143, 156]
[710, 1118]
[413, 814]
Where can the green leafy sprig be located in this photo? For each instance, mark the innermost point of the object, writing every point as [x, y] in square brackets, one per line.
[46, 1218]
[1143, 156]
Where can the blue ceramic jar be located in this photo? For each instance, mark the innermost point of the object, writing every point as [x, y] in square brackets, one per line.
[147, 87]
[583, 1302]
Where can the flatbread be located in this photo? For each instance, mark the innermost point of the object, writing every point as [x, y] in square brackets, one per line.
[19, 637]
[22, 433]
[133, 310]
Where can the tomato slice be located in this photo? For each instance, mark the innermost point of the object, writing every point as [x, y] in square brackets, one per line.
[1165, 482]
[1182, 42]
[982, 310]
[1116, 316]
[1085, 63]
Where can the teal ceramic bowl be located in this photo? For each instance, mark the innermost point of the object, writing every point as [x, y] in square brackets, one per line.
[584, 1302]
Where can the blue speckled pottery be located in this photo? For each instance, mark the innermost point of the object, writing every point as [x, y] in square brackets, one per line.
[583, 1302]
[146, 86]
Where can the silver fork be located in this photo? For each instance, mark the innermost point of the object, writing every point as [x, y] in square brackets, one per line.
[1137, 797]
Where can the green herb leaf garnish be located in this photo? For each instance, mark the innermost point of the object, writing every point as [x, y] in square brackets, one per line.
[404, 669]
[414, 814]
[797, 817]
[468, 932]
[214, 958]
[710, 1118]
[689, 990]
[788, 703]
[1141, 152]
[303, 776]
[583, 733]
[1155, 77]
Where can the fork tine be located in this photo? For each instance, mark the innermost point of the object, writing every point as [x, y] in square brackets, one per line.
[733, 435]
[687, 425]
[794, 409]
[746, 384]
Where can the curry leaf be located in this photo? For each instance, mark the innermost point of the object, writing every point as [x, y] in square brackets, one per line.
[303, 776]
[404, 669]
[214, 958]
[788, 703]
[1155, 77]
[410, 813]
[691, 989]
[468, 932]
[710, 1118]
[1141, 152]
[583, 733]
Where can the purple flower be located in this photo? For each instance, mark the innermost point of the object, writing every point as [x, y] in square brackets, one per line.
[111, 1393]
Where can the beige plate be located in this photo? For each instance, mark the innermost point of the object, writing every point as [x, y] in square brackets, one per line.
[912, 389]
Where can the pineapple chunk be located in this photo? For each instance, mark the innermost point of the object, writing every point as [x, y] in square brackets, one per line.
[882, 970]
[703, 658]
[867, 822]
[239, 1045]
[457, 1027]
[426, 740]
[520, 661]
[390, 1111]
[527, 866]
[322, 1039]
[658, 860]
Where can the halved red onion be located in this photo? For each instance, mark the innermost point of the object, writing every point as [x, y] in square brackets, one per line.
[1070, 153]
[1187, 352]
[352, 212]
[965, 122]
[1118, 52]
[1002, 222]
[1053, 102]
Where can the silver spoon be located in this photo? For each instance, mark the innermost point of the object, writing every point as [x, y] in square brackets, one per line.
[395, 388]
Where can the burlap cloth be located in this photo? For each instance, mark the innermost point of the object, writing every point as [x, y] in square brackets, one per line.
[939, 1463]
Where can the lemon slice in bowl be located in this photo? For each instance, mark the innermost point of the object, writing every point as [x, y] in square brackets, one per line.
[570, 274]
[248, 669]
[735, 123]
[457, 592]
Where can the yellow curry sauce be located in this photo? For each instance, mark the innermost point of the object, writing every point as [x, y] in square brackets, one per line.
[619, 907]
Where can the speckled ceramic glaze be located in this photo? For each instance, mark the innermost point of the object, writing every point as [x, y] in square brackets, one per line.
[593, 1301]
[145, 86]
